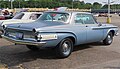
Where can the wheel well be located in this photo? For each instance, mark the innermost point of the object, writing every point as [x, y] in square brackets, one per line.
[72, 38]
[113, 32]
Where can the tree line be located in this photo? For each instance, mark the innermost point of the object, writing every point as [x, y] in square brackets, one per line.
[54, 4]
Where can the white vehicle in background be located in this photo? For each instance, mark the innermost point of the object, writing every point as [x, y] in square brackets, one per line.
[96, 14]
[22, 17]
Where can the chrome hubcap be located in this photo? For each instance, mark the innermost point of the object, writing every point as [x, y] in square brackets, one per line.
[66, 48]
[109, 39]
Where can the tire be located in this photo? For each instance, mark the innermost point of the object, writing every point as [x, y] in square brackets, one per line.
[109, 39]
[32, 47]
[64, 48]
[1, 32]
[0, 36]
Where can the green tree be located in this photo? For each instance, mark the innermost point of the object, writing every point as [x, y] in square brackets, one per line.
[88, 5]
[96, 5]
[105, 6]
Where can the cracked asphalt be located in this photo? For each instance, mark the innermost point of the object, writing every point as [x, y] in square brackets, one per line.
[88, 56]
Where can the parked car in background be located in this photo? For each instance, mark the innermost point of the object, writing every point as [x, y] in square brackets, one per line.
[23, 17]
[62, 30]
[96, 14]
[7, 14]
[2, 17]
[104, 15]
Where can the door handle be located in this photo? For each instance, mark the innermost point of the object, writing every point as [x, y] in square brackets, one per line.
[86, 26]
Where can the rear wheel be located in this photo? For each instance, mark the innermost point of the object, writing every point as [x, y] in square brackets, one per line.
[0, 35]
[109, 39]
[32, 47]
[1, 32]
[64, 48]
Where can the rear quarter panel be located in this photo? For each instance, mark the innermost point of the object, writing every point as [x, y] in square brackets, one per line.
[60, 37]
[64, 31]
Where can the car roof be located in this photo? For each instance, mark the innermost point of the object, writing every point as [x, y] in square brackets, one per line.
[69, 12]
[32, 12]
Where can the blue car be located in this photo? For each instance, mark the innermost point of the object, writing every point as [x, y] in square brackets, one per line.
[61, 30]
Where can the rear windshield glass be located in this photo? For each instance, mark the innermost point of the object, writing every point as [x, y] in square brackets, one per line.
[54, 16]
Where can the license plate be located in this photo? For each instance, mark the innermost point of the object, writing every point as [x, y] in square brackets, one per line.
[19, 35]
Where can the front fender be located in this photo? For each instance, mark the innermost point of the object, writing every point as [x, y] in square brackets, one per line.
[106, 31]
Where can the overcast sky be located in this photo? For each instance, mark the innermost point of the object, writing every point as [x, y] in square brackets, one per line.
[100, 1]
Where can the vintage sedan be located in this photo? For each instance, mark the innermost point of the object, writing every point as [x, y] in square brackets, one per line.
[62, 30]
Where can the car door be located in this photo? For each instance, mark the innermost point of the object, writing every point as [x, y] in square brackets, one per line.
[80, 29]
[94, 30]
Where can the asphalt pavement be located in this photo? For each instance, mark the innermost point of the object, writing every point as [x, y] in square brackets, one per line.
[89, 56]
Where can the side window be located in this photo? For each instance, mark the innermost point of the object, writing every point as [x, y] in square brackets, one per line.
[88, 19]
[84, 19]
[79, 19]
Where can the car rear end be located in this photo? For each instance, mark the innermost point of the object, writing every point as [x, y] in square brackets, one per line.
[24, 36]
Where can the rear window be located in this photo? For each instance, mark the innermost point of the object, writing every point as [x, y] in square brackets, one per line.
[54, 16]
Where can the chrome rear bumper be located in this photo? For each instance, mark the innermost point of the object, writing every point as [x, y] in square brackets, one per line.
[24, 42]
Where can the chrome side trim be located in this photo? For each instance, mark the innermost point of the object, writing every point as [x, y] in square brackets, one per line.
[24, 42]
[103, 28]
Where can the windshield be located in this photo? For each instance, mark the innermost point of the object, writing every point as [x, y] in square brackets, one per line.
[54, 16]
[18, 16]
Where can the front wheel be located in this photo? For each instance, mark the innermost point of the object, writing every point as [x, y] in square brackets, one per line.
[32, 47]
[109, 39]
[64, 48]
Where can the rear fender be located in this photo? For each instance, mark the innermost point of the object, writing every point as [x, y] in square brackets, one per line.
[60, 37]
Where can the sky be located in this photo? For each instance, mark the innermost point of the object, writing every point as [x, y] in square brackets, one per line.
[101, 1]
